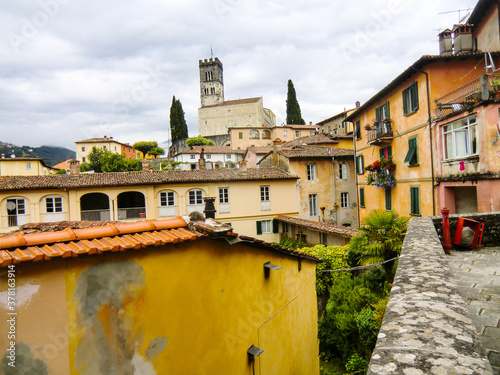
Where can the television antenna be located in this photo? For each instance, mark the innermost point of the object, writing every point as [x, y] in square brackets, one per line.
[460, 19]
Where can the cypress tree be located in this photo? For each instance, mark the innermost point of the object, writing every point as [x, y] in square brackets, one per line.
[293, 115]
[178, 125]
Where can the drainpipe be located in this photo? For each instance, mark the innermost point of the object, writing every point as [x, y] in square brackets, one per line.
[430, 138]
[334, 189]
[355, 172]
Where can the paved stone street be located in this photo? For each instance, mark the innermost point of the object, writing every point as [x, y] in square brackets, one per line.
[477, 274]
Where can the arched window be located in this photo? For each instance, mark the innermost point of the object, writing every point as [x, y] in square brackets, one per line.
[195, 200]
[168, 203]
[131, 205]
[94, 207]
[254, 134]
[212, 90]
[266, 134]
[209, 76]
[52, 208]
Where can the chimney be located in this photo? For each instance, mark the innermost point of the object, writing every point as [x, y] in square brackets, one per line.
[445, 42]
[145, 165]
[202, 163]
[74, 167]
[358, 104]
[243, 167]
[209, 210]
[3, 156]
[462, 38]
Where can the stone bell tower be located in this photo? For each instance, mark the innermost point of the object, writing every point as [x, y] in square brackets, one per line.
[211, 82]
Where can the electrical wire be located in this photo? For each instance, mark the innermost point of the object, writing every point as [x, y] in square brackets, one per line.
[361, 267]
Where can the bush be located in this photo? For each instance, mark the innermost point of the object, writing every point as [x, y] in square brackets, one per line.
[199, 141]
[356, 364]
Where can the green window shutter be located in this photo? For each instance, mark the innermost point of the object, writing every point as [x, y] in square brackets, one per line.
[357, 164]
[358, 129]
[389, 151]
[412, 151]
[378, 114]
[362, 196]
[259, 227]
[405, 100]
[414, 97]
[415, 200]
[388, 199]
[381, 152]
[387, 112]
[362, 165]
[276, 226]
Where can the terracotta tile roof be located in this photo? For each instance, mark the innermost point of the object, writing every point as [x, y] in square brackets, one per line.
[70, 243]
[320, 227]
[341, 114]
[298, 127]
[139, 178]
[212, 150]
[234, 102]
[27, 159]
[307, 151]
[311, 140]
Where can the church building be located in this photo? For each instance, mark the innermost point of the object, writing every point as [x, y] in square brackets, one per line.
[216, 115]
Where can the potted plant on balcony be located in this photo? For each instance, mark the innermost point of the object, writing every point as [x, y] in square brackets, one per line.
[381, 173]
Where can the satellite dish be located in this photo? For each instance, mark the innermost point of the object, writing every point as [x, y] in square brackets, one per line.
[11, 206]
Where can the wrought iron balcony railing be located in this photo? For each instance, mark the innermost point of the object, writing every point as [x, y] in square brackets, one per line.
[379, 134]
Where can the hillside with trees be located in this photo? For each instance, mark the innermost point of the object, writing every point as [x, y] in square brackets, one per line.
[51, 155]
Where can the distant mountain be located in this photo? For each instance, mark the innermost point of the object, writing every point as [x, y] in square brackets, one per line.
[51, 155]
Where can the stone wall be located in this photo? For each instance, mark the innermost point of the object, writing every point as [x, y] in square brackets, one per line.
[426, 329]
[491, 220]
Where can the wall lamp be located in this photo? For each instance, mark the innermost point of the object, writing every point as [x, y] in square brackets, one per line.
[253, 352]
[268, 266]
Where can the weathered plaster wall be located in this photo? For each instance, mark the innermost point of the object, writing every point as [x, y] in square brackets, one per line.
[426, 329]
[193, 308]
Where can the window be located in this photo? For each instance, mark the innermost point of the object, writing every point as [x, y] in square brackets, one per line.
[344, 200]
[264, 226]
[167, 198]
[412, 155]
[115, 148]
[360, 169]
[205, 91]
[358, 130]
[28, 165]
[240, 135]
[264, 194]
[228, 156]
[209, 156]
[297, 133]
[323, 238]
[224, 195]
[385, 152]
[195, 196]
[254, 134]
[388, 199]
[343, 171]
[311, 133]
[410, 99]
[84, 159]
[83, 149]
[382, 112]
[285, 133]
[460, 138]
[53, 204]
[313, 205]
[104, 147]
[193, 156]
[311, 172]
[266, 134]
[414, 200]
[361, 197]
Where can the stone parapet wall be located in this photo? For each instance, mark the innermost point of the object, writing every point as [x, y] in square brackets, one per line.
[426, 329]
[491, 220]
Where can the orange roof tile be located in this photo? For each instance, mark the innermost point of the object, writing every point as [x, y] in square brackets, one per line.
[116, 237]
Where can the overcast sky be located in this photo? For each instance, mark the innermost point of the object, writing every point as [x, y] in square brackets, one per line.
[72, 70]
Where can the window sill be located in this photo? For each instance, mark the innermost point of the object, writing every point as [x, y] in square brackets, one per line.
[471, 158]
[411, 113]
[413, 165]
[415, 215]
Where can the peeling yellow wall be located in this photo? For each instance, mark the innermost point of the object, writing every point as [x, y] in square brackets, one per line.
[193, 308]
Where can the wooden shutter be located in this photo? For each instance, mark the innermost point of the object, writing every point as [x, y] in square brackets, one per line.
[414, 97]
[387, 112]
[378, 114]
[362, 196]
[259, 227]
[276, 226]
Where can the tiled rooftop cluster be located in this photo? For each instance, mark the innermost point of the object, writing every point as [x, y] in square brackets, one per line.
[345, 232]
[118, 237]
[311, 140]
[317, 152]
[139, 178]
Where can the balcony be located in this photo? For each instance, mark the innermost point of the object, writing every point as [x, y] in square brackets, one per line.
[381, 174]
[467, 96]
[380, 133]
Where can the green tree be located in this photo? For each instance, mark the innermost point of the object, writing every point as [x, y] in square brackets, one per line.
[95, 158]
[145, 146]
[381, 240]
[156, 151]
[101, 160]
[178, 126]
[293, 115]
[199, 141]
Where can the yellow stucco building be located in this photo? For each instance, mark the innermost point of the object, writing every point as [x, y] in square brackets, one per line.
[157, 297]
[437, 121]
[247, 199]
[25, 167]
